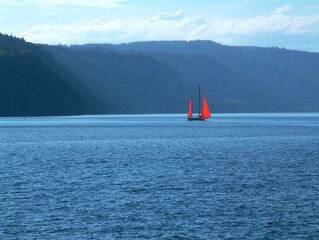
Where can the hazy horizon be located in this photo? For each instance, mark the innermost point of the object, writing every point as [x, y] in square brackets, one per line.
[176, 40]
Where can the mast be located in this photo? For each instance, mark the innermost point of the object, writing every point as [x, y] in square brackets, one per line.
[199, 99]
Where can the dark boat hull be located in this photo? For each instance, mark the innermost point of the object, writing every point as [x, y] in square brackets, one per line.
[198, 118]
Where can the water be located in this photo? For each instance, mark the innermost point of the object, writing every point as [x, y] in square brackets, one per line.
[236, 176]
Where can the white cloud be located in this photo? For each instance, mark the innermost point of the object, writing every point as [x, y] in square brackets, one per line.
[172, 26]
[283, 9]
[175, 16]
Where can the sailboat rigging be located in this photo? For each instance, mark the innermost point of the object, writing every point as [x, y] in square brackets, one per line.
[204, 114]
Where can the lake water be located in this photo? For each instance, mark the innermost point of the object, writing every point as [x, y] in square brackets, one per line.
[235, 176]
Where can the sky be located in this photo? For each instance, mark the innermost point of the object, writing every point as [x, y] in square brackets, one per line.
[265, 23]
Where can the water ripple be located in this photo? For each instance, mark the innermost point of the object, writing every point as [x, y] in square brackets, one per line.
[160, 177]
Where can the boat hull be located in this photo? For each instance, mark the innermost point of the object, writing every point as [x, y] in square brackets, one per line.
[198, 118]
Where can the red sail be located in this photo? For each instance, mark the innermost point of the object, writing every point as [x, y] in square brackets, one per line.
[190, 110]
[205, 111]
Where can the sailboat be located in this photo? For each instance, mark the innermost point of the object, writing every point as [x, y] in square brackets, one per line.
[204, 114]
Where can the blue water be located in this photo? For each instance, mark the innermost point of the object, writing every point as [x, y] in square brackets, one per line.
[235, 176]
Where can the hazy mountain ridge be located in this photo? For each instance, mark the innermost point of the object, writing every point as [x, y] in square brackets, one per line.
[129, 83]
[228, 90]
[290, 78]
[159, 77]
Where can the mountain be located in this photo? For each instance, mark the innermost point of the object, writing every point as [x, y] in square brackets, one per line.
[155, 77]
[288, 80]
[89, 104]
[228, 90]
[128, 82]
[28, 87]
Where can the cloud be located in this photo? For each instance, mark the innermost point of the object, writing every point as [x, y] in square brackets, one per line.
[52, 3]
[174, 16]
[172, 26]
[273, 23]
[283, 9]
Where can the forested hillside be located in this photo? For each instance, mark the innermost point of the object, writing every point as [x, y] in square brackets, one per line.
[153, 77]
[128, 83]
[290, 78]
[28, 87]
[88, 102]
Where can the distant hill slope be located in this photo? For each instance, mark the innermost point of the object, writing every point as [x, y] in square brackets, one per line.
[290, 78]
[226, 89]
[89, 104]
[154, 77]
[28, 87]
[130, 83]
